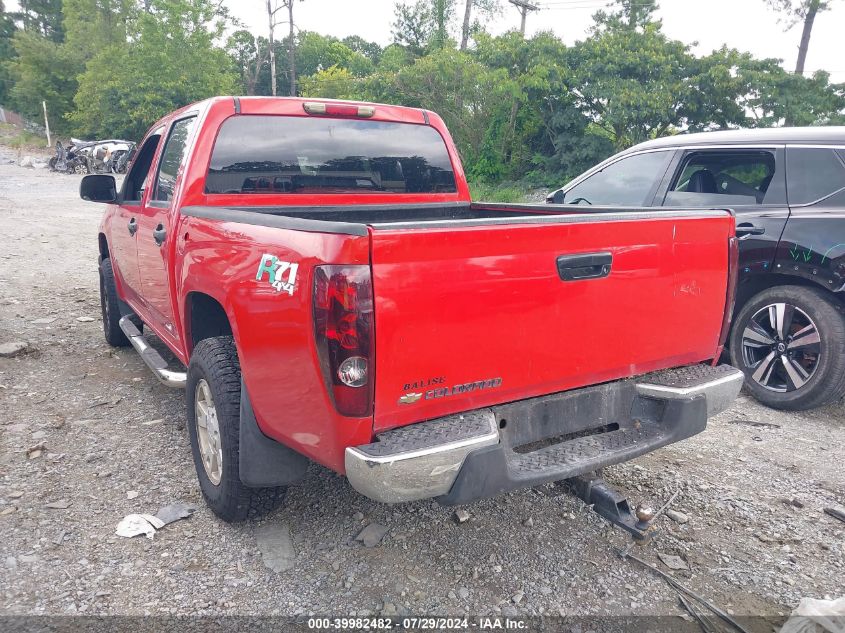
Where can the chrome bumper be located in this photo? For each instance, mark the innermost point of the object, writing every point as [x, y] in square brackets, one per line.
[423, 460]
[719, 385]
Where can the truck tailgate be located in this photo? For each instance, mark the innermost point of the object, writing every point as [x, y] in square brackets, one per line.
[473, 314]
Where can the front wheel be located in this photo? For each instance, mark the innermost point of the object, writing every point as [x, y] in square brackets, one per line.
[110, 306]
[790, 343]
[213, 399]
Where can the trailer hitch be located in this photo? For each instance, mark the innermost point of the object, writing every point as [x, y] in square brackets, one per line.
[613, 506]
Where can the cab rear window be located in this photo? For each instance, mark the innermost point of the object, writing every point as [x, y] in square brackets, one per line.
[299, 155]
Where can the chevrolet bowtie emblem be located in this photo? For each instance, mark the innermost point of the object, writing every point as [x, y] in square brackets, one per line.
[410, 398]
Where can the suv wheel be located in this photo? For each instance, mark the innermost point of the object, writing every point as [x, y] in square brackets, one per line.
[790, 343]
[214, 401]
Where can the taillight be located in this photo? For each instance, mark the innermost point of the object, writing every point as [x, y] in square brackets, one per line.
[343, 322]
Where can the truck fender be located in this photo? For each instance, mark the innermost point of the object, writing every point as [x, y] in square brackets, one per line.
[264, 462]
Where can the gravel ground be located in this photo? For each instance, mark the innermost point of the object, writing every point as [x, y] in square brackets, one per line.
[113, 442]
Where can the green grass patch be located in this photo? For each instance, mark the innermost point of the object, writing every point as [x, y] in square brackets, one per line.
[507, 192]
[17, 138]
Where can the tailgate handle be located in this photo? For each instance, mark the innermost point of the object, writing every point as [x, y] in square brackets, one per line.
[585, 266]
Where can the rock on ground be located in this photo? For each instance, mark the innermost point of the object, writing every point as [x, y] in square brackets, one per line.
[275, 545]
[13, 348]
[372, 534]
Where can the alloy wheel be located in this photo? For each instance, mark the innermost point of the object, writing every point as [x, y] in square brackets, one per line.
[781, 347]
[208, 432]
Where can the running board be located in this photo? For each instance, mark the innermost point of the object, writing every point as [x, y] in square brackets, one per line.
[151, 357]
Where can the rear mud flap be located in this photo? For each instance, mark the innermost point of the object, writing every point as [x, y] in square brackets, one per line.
[263, 462]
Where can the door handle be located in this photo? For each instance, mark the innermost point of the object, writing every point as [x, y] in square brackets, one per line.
[746, 230]
[132, 226]
[159, 234]
[586, 266]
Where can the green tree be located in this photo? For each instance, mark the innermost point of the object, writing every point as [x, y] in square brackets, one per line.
[370, 50]
[424, 25]
[42, 70]
[634, 84]
[466, 93]
[90, 25]
[7, 52]
[394, 57]
[412, 26]
[628, 14]
[317, 52]
[544, 134]
[737, 89]
[332, 83]
[442, 12]
[171, 61]
[250, 54]
[41, 17]
[48, 70]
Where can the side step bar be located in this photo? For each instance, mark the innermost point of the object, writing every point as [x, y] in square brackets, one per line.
[151, 357]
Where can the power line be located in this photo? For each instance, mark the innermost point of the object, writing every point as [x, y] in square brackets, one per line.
[586, 4]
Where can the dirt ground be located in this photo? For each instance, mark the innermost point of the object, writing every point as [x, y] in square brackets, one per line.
[753, 487]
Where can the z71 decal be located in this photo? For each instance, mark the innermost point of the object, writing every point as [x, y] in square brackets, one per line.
[276, 270]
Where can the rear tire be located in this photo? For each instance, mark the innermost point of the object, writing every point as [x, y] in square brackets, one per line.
[214, 378]
[783, 370]
[110, 306]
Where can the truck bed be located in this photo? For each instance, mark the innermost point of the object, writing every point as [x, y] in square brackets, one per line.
[474, 305]
[354, 220]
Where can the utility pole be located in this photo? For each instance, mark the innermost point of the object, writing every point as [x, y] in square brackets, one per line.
[46, 124]
[524, 7]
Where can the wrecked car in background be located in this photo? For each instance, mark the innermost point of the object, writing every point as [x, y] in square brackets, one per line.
[92, 157]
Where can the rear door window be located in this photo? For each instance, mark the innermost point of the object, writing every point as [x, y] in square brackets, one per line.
[814, 174]
[136, 180]
[171, 159]
[629, 182]
[300, 155]
[726, 177]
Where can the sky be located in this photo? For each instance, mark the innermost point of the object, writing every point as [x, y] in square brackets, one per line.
[748, 25]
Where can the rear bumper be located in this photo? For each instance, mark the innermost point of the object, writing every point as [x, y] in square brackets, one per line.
[461, 458]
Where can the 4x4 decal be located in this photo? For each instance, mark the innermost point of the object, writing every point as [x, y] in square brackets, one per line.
[276, 270]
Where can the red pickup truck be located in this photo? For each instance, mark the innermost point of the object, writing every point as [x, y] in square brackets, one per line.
[334, 295]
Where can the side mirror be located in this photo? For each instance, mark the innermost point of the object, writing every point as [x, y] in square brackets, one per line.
[555, 198]
[98, 188]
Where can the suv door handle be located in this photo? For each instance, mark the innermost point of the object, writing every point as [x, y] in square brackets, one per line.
[746, 230]
[159, 234]
[586, 266]
[132, 226]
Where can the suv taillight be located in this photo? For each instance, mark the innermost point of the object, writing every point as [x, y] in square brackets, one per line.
[343, 322]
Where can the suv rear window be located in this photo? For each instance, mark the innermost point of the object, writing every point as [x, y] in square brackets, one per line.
[728, 177]
[297, 155]
[813, 174]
